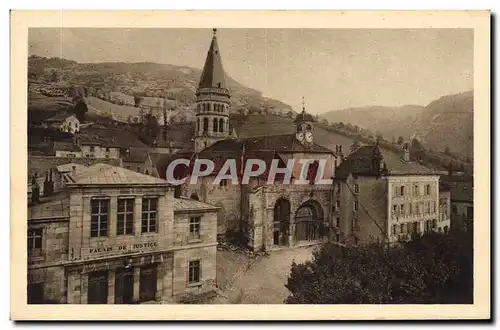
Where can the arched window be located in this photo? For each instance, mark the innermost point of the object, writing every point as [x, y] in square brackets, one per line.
[198, 125]
[227, 125]
[208, 107]
[216, 122]
[221, 125]
[205, 124]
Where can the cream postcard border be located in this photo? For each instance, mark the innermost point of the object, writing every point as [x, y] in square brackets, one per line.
[477, 20]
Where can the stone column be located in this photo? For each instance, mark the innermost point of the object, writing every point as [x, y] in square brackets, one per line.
[113, 209]
[137, 281]
[84, 278]
[210, 124]
[111, 286]
[137, 216]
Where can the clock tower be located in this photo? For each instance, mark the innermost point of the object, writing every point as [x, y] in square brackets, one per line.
[304, 123]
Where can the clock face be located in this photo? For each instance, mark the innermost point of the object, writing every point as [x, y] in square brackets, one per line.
[300, 136]
[309, 137]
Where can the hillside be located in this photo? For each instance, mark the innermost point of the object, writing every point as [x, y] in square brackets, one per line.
[120, 81]
[447, 121]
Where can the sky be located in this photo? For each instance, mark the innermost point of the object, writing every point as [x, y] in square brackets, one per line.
[331, 68]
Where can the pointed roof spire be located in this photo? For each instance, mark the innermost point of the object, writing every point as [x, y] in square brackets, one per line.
[213, 75]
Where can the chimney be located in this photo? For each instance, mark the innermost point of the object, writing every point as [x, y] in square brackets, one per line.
[177, 191]
[35, 192]
[340, 148]
[406, 150]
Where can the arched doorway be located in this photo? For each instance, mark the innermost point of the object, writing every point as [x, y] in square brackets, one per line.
[281, 222]
[308, 220]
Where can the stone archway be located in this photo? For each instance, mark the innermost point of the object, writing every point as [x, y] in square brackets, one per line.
[308, 221]
[281, 222]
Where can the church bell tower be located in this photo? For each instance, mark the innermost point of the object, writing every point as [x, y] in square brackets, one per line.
[212, 101]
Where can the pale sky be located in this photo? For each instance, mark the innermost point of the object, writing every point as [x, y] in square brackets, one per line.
[332, 68]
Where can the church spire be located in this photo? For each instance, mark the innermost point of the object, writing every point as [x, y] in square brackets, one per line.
[212, 75]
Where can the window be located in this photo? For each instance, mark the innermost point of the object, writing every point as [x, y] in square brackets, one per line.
[402, 228]
[394, 210]
[98, 288]
[417, 210]
[194, 272]
[434, 223]
[205, 124]
[221, 125]
[125, 217]
[337, 237]
[194, 228]
[107, 149]
[35, 242]
[415, 190]
[356, 205]
[147, 285]
[99, 217]
[470, 212]
[411, 209]
[215, 125]
[394, 229]
[223, 183]
[149, 211]
[337, 222]
[356, 188]
[428, 189]
[402, 191]
[446, 229]
[402, 210]
[91, 148]
[337, 204]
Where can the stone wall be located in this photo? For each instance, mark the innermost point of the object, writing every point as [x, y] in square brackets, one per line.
[52, 278]
[82, 246]
[207, 256]
[208, 225]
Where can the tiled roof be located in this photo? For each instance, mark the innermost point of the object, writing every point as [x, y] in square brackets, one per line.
[104, 174]
[186, 204]
[66, 146]
[213, 73]
[462, 191]
[360, 162]
[280, 143]
[136, 155]
[69, 167]
[42, 164]
[60, 117]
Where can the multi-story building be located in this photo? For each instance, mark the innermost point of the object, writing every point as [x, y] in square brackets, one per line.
[375, 200]
[444, 208]
[63, 122]
[118, 236]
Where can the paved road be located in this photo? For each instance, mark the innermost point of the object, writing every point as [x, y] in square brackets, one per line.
[264, 282]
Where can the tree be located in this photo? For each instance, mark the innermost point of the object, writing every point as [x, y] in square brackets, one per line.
[400, 140]
[435, 268]
[447, 150]
[80, 109]
[290, 114]
[54, 77]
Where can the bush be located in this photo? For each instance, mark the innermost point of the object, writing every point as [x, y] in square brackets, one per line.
[434, 268]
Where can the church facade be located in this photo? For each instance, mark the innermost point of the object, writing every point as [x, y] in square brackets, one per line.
[265, 215]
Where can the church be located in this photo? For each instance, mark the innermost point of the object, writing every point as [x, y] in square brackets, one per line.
[261, 215]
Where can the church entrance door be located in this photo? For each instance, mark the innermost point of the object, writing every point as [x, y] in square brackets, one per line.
[308, 221]
[281, 222]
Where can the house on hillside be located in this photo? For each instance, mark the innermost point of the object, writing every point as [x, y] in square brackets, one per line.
[63, 122]
[462, 200]
[139, 160]
[67, 150]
